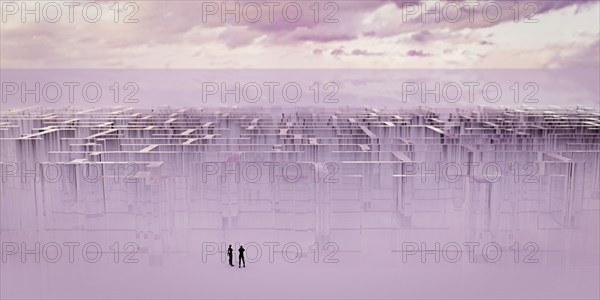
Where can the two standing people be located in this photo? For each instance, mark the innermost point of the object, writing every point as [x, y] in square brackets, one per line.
[240, 257]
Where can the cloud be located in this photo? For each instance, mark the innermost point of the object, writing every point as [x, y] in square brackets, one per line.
[361, 52]
[587, 56]
[235, 37]
[421, 36]
[417, 53]
[179, 34]
[338, 52]
[416, 17]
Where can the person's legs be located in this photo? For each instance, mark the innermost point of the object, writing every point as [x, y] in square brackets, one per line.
[240, 261]
[244, 260]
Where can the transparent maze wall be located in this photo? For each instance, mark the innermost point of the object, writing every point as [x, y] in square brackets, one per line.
[367, 180]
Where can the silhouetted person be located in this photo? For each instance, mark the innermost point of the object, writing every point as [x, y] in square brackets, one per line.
[241, 258]
[230, 255]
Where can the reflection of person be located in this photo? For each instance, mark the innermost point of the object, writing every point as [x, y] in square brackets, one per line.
[230, 255]
[241, 258]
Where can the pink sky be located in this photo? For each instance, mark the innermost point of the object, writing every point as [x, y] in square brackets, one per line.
[345, 34]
